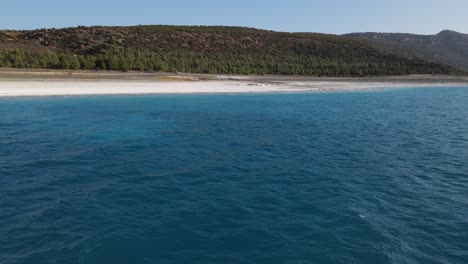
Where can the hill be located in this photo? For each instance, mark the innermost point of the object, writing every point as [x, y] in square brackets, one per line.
[447, 47]
[224, 50]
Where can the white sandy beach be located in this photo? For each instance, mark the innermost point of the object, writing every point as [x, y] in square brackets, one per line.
[79, 87]
[52, 87]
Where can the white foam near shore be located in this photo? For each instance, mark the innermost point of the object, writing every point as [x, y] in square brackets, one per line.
[103, 87]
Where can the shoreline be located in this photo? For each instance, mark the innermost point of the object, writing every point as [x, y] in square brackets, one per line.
[19, 82]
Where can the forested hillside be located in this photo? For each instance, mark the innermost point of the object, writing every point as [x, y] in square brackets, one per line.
[224, 50]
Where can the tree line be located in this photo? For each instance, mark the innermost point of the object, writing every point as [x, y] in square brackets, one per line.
[235, 62]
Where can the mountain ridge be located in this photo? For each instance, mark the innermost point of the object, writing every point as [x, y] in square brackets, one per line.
[206, 49]
[447, 47]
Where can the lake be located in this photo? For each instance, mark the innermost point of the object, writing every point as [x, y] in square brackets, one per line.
[356, 177]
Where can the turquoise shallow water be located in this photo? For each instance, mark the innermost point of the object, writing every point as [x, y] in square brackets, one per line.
[361, 177]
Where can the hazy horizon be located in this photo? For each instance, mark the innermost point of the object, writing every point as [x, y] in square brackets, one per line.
[333, 17]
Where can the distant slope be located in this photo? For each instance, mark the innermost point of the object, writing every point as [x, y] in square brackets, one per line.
[226, 50]
[447, 47]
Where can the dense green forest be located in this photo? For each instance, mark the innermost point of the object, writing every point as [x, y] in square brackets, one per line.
[225, 50]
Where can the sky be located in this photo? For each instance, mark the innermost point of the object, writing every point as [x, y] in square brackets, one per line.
[327, 16]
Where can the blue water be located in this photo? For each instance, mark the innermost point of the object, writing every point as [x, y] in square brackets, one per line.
[360, 177]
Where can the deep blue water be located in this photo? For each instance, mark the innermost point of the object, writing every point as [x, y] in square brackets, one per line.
[360, 177]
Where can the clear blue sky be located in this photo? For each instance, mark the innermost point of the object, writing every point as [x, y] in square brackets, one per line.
[329, 16]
